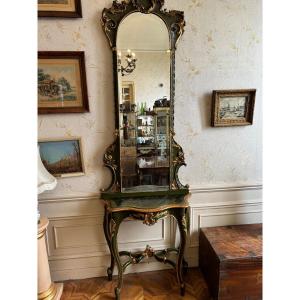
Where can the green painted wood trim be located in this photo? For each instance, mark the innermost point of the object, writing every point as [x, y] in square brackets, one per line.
[119, 195]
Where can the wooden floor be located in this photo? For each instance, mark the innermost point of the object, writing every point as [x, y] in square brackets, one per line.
[158, 285]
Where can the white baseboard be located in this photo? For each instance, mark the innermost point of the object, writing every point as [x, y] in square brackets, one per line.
[77, 248]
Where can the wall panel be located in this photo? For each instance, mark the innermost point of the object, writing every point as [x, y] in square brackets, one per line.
[76, 243]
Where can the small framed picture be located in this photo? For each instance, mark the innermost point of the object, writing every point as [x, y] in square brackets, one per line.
[60, 8]
[62, 86]
[233, 107]
[128, 92]
[62, 157]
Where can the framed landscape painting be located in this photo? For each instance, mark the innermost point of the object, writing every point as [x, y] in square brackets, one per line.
[62, 86]
[63, 157]
[233, 107]
[60, 8]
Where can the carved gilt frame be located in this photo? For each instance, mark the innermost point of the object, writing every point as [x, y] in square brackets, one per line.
[174, 20]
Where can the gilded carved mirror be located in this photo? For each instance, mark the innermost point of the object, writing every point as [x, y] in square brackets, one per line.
[144, 157]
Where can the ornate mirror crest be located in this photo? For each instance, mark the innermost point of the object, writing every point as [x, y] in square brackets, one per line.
[112, 17]
[174, 21]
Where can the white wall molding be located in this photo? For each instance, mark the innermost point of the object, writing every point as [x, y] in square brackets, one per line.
[195, 189]
[76, 243]
[95, 197]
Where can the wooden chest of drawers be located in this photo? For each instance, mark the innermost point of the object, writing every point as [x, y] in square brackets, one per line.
[230, 258]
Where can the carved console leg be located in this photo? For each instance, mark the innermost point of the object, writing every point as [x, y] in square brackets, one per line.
[181, 220]
[116, 220]
[110, 270]
[107, 232]
[185, 267]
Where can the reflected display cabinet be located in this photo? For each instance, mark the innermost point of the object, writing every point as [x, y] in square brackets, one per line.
[144, 159]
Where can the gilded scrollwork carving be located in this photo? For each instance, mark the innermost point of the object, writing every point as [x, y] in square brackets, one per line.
[177, 161]
[110, 161]
[177, 28]
[184, 223]
[148, 252]
[145, 7]
[113, 227]
[150, 219]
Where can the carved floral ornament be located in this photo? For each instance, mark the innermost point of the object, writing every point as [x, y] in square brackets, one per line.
[110, 162]
[150, 219]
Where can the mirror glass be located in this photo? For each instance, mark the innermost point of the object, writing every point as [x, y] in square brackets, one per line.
[143, 50]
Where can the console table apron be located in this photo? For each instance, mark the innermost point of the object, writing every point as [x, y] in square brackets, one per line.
[149, 210]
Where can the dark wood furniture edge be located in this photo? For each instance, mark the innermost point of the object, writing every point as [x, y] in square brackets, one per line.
[216, 268]
[120, 195]
[207, 269]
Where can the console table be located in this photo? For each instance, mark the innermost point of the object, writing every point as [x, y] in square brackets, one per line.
[149, 210]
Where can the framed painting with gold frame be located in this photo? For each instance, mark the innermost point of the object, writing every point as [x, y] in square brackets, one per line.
[233, 107]
[62, 157]
[60, 8]
[62, 86]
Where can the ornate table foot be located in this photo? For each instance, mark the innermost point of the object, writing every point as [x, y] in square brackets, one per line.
[117, 293]
[182, 290]
[109, 274]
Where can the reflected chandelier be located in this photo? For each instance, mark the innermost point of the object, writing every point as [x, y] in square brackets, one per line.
[131, 63]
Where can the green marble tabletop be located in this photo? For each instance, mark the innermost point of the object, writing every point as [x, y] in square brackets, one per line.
[150, 203]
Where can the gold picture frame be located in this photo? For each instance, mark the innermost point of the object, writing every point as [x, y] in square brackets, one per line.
[62, 83]
[60, 8]
[233, 107]
[62, 157]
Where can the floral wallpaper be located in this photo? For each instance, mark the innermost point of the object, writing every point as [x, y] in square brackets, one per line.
[220, 49]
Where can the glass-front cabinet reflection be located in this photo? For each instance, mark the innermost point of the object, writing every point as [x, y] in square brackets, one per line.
[143, 51]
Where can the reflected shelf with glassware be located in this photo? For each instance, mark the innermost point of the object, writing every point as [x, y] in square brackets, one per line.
[145, 132]
[127, 124]
[128, 144]
[153, 147]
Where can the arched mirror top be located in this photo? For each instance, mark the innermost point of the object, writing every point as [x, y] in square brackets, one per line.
[148, 32]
